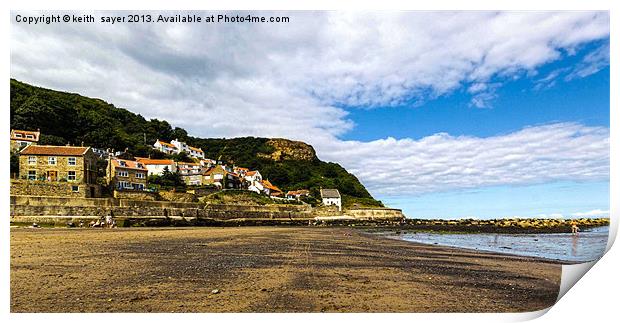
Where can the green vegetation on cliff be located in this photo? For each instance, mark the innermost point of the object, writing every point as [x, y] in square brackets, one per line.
[71, 118]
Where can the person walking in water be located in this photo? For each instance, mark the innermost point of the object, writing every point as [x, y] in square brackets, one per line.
[574, 228]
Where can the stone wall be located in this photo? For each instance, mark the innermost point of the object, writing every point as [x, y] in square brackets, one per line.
[58, 209]
[374, 213]
[136, 195]
[59, 189]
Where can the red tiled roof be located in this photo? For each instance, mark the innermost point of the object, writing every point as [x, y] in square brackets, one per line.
[250, 173]
[54, 150]
[128, 164]
[148, 161]
[195, 149]
[298, 192]
[166, 144]
[267, 184]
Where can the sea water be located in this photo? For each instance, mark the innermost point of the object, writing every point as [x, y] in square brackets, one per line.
[588, 245]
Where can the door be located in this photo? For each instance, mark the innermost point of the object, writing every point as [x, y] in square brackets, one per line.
[52, 175]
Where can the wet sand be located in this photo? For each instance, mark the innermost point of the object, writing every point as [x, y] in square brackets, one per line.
[265, 269]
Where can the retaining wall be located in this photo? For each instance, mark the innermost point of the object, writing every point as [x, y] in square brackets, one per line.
[56, 210]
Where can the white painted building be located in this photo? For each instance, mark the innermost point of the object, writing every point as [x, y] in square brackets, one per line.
[331, 197]
[165, 147]
[254, 180]
[157, 166]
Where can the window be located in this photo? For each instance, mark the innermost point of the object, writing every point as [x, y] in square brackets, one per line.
[72, 161]
[51, 160]
[71, 175]
[29, 137]
[75, 188]
[32, 175]
[122, 173]
[139, 175]
[123, 184]
[18, 135]
[139, 186]
[32, 160]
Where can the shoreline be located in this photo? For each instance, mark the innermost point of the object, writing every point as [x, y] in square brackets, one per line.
[265, 269]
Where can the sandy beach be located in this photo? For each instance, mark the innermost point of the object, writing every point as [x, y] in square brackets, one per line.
[265, 269]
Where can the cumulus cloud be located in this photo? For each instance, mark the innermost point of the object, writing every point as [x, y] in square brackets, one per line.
[299, 80]
[441, 162]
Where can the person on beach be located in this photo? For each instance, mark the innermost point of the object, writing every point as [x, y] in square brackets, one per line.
[574, 228]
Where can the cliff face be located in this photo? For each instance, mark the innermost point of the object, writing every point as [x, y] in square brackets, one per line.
[284, 149]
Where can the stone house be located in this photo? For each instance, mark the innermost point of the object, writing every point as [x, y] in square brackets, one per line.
[191, 173]
[125, 175]
[157, 166]
[220, 177]
[331, 197]
[22, 138]
[73, 165]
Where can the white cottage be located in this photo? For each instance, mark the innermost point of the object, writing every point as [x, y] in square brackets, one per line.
[331, 197]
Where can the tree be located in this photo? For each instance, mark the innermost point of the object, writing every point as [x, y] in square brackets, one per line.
[167, 179]
[182, 157]
[14, 162]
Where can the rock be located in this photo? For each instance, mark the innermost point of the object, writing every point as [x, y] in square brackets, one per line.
[215, 291]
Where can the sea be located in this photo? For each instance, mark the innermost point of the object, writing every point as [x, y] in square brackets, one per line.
[588, 245]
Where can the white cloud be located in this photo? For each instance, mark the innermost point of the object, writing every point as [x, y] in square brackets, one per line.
[593, 213]
[270, 80]
[442, 162]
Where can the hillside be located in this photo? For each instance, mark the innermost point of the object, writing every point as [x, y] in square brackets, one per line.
[71, 118]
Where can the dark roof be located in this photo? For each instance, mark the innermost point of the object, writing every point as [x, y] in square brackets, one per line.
[54, 150]
[330, 193]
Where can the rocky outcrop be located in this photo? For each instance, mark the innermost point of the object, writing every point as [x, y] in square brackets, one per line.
[285, 149]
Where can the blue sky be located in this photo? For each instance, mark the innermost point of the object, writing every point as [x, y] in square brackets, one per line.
[517, 104]
[443, 114]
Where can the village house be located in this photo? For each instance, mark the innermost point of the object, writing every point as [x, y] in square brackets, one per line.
[165, 147]
[270, 189]
[191, 173]
[215, 176]
[296, 195]
[195, 152]
[60, 164]
[126, 174]
[207, 163]
[253, 181]
[331, 197]
[241, 171]
[233, 181]
[220, 177]
[22, 138]
[157, 166]
[176, 147]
